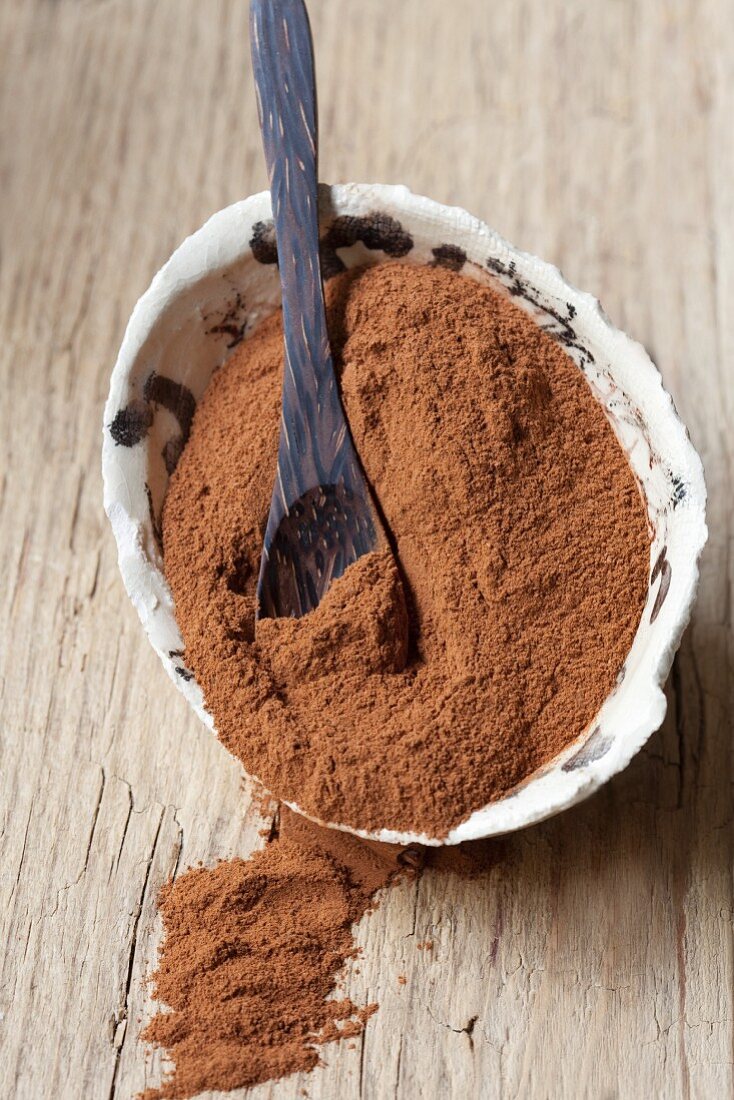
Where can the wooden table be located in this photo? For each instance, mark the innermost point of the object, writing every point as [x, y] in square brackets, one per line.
[595, 959]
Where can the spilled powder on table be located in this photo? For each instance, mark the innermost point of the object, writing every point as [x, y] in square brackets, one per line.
[253, 951]
[251, 954]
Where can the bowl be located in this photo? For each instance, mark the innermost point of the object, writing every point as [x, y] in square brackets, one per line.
[223, 279]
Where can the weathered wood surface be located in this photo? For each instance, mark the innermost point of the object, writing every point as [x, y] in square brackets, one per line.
[595, 959]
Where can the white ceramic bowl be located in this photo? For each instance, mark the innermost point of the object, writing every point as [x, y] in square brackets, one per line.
[217, 286]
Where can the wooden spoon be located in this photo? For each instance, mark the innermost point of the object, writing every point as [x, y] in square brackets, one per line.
[322, 517]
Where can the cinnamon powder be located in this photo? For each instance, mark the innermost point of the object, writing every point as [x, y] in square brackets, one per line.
[429, 683]
[251, 953]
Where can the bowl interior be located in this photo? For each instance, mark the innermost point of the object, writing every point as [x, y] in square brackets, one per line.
[223, 280]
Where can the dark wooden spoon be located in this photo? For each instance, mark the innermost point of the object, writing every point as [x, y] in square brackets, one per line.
[322, 516]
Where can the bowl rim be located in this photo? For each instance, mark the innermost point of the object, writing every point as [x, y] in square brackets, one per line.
[219, 244]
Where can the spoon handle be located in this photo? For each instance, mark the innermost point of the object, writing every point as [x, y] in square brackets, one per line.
[312, 432]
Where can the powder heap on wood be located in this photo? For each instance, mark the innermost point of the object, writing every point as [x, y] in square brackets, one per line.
[251, 953]
[521, 545]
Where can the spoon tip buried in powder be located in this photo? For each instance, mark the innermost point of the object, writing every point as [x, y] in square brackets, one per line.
[360, 626]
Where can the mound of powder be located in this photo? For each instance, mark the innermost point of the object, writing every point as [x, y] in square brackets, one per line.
[251, 952]
[521, 551]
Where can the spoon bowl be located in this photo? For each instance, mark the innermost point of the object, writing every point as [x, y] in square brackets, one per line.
[218, 286]
[323, 532]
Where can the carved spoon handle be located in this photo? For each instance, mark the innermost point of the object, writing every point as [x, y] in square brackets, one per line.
[313, 419]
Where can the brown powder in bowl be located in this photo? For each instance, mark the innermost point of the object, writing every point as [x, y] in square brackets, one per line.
[521, 540]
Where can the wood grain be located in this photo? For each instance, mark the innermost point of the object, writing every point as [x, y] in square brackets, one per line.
[595, 959]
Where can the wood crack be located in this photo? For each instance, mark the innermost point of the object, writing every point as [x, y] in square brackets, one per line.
[116, 864]
[467, 1029]
[179, 853]
[75, 882]
[397, 1067]
[23, 851]
[95, 816]
[416, 892]
[122, 1015]
[361, 1063]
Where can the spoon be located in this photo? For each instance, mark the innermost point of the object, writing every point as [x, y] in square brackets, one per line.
[322, 516]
